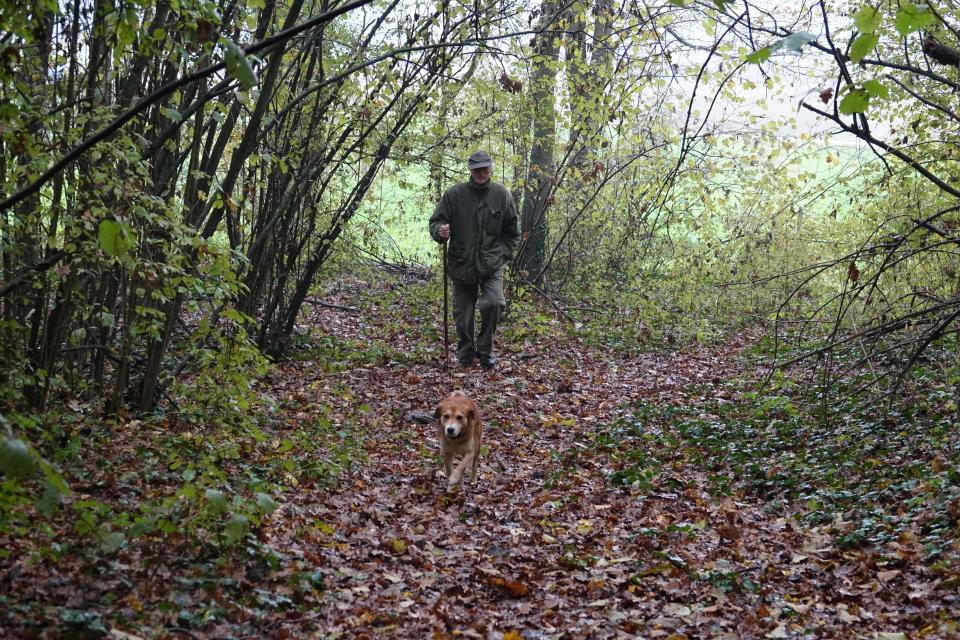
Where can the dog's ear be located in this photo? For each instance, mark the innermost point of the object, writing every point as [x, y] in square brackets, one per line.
[471, 415]
[436, 413]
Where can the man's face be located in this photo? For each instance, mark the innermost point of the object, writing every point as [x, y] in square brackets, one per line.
[480, 175]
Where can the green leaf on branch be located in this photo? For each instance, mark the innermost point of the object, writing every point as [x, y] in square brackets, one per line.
[793, 42]
[863, 45]
[912, 17]
[876, 88]
[856, 101]
[115, 238]
[867, 19]
[760, 55]
[238, 64]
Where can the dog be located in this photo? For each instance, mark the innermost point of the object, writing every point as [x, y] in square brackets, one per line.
[460, 429]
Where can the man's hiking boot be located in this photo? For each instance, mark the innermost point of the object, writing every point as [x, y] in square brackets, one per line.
[487, 361]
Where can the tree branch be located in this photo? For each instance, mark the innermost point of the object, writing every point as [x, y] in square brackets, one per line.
[167, 89]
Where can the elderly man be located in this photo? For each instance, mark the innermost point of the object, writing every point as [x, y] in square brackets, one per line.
[479, 219]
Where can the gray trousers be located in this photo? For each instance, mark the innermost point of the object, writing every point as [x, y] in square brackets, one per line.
[490, 303]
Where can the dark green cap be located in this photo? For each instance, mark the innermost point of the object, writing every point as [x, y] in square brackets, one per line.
[479, 159]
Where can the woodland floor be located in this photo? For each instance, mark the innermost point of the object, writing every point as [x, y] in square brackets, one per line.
[543, 546]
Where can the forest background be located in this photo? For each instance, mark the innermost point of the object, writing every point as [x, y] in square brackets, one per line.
[185, 181]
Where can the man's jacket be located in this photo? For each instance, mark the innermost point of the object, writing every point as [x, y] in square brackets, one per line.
[483, 229]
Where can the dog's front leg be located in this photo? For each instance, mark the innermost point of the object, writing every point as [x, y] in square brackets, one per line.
[457, 478]
[447, 463]
[475, 458]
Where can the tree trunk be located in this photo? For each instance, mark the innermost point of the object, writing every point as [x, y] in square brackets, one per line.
[541, 171]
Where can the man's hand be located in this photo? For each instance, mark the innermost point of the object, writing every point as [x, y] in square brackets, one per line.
[443, 232]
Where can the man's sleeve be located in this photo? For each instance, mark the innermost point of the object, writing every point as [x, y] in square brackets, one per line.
[511, 231]
[440, 217]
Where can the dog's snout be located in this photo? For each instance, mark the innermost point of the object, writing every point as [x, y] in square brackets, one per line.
[451, 430]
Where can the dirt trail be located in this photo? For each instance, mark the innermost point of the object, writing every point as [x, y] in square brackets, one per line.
[544, 546]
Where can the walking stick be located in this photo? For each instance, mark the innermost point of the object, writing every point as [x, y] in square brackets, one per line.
[446, 323]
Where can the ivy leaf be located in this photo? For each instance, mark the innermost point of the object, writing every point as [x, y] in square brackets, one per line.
[237, 527]
[912, 17]
[266, 503]
[216, 502]
[855, 101]
[16, 458]
[112, 542]
[867, 19]
[53, 478]
[238, 64]
[863, 45]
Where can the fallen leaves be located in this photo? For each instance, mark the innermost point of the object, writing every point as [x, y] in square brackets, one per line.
[509, 588]
[544, 545]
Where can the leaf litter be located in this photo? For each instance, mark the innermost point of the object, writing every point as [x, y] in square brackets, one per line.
[553, 541]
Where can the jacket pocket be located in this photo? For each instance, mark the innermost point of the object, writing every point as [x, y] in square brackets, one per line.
[458, 260]
[493, 222]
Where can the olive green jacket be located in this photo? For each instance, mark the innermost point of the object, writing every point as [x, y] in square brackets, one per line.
[483, 229]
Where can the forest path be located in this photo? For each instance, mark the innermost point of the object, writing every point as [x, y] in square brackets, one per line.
[545, 545]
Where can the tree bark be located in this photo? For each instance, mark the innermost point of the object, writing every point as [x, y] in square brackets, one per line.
[539, 184]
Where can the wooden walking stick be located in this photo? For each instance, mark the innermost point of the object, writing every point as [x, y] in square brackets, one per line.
[446, 323]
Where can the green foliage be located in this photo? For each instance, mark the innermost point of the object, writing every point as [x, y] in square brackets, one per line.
[863, 45]
[867, 19]
[16, 458]
[855, 101]
[238, 64]
[229, 364]
[913, 17]
[794, 42]
[871, 475]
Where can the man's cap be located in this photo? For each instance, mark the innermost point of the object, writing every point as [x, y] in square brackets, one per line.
[479, 159]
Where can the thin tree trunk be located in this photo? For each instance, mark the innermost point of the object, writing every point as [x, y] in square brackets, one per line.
[540, 171]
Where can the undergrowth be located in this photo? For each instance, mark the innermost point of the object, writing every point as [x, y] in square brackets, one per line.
[871, 475]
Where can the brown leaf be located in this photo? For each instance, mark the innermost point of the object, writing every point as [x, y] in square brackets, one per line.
[510, 588]
[825, 95]
[853, 272]
[729, 532]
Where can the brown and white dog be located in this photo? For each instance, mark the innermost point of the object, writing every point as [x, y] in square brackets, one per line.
[460, 430]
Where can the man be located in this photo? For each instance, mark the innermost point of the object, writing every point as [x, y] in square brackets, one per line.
[479, 219]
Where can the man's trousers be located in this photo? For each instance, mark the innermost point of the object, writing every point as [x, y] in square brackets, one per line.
[487, 297]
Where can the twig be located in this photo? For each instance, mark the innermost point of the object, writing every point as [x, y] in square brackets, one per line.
[551, 301]
[331, 305]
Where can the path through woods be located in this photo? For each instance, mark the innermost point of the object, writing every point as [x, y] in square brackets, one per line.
[547, 544]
